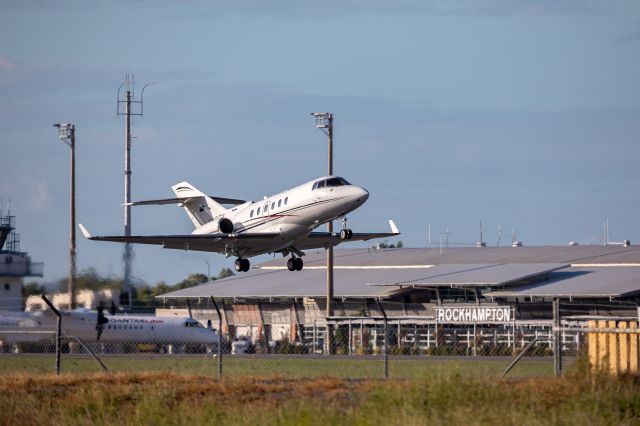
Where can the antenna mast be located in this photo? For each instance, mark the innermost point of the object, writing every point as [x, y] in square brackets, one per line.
[129, 99]
[481, 243]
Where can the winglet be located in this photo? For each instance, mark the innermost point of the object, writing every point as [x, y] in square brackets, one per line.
[394, 228]
[84, 231]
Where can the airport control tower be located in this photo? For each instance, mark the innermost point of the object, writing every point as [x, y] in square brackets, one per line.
[14, 266]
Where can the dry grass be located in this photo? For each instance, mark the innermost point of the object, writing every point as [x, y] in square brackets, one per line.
[179, 399]
[162, 398]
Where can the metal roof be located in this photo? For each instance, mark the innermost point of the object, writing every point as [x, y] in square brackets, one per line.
[362, 273]
[476, 275]
[361, 282]
[351, 283]
[466, 255]
[594, 282]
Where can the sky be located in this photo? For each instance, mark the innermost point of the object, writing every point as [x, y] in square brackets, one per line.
[523, 114]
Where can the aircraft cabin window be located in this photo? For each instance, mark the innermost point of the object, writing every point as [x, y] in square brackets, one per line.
[273, 205]
[285, 200]
[265, 208]
[279, 202]
[251, 215]
[258, 211]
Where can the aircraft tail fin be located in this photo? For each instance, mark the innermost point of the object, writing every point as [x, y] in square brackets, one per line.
[200, 208]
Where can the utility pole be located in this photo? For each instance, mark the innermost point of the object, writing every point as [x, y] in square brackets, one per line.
[324, 122]
[67, 134]
[128, 250]
[127, 255]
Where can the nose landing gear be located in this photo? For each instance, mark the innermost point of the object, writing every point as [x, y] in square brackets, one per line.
[242, 265]
[345, 233]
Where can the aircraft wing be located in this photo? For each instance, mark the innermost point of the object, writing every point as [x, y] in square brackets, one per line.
[326, 239]
[209, 242]
[178, 200]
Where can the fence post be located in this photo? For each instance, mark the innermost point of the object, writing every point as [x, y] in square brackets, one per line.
[613, 350]
[520, 355]
[219, 354]
[633, 348]
[557, 345]
[386, 337]
[58, 331]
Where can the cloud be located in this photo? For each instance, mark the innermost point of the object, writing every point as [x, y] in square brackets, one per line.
[6, 64]
[37, 193]
[206, 9]
[330, 8]
[631, 37]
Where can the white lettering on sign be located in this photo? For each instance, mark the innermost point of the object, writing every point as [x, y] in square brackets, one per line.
[469, 314]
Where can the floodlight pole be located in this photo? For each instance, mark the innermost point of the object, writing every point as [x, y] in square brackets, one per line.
[324, 122]
[67, 134]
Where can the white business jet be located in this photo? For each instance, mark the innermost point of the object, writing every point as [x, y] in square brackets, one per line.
[283, 223]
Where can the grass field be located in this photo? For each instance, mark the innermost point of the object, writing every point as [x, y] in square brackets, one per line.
[291, 367]
[163, 399]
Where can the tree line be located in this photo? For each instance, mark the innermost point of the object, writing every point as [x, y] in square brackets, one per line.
[143, 293]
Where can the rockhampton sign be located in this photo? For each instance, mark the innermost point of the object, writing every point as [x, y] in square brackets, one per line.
[474, 314]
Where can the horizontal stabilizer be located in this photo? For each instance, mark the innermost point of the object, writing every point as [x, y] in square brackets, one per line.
[182, 200]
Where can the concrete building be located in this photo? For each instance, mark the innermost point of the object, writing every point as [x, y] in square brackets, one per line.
[87, 299]
[15, 265]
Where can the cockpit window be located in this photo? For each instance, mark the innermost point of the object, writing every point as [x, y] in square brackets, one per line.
[192, 323]
[337, 181]
[331, 182]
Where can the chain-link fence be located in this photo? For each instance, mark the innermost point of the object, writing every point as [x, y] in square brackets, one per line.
[282, 358]
[246, 341]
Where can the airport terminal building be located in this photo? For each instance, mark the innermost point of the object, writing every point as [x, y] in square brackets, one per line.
[473, 297]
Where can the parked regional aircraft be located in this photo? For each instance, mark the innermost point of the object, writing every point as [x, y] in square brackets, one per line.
[282, 223]
[90, 325]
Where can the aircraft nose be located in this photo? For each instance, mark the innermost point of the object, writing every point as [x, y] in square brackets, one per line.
[362, 195]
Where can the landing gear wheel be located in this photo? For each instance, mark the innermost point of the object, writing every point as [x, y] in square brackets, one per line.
[291, 264]
[242, 265]
[238, 265]
[298, 263]
[346, 234]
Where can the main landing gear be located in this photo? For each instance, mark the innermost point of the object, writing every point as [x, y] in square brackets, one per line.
[345, 233]
[295, 264]
[242, 265]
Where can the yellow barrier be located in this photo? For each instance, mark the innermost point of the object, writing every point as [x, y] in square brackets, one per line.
[616, 352]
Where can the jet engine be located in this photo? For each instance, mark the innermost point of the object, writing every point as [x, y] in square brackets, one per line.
[225, 226]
